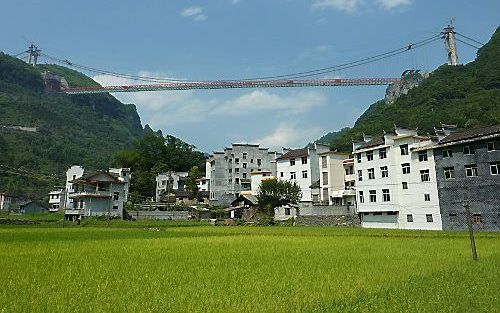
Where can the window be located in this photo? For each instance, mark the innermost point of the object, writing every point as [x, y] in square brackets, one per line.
[244, 165]
[358, 157]
[494, 168]
[115, 207]
[477, 218]
[236, 180]
[427, 197]
[382, 153]
[491, 146]
[244, 156]
[405, 185]
[449, 172]
[369, 155]
[230, 180]
[292, 162]
[304, 174]
[384, 171]
[116, 196]
[406, 168]
[361, 197]
[81, 204]
[281, 174]
[259, 162]
[237, 161]
[409, 218]
[373, 196]
[304, 160]
[244, 175]
[287, 211]
[424, 175]
[468, 150]
[386, 196]
[325, 178]
[447, 153]
[237, 170]
[323, 161]
[404, 149]
[471, 170]
[230, 170]
[422, 156]
[429, 218]
[292, 175]
[360, 175]
[453, 217]
[371, 173]
[251, 161]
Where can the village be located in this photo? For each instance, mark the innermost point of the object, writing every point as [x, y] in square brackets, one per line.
[398, 180]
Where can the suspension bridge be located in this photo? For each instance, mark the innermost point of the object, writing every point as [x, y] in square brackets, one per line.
[290, 80]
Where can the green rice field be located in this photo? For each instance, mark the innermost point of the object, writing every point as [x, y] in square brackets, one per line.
[245, 269]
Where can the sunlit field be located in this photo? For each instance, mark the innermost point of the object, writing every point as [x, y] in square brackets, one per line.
[249, 269]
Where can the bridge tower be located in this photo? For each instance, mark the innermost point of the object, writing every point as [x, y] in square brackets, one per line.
[449, 44]
[33, 54]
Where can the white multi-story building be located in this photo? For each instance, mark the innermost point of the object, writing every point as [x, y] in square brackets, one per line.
[256, 179]
[302, 167]
[336, 179]
[5, 201]
[203, 184]
[396, 181]
[96, 193]
[174, 181]
[56, 200]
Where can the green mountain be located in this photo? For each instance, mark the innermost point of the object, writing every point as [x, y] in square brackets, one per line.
[465, 95]
[70, 129]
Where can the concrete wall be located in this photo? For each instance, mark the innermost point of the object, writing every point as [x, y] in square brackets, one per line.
[483, 191]
[333, 220]
[159, 215]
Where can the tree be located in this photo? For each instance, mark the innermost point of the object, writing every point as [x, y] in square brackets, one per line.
[275, 193]
[191, 184]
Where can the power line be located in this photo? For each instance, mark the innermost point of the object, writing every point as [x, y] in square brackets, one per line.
[466, 43]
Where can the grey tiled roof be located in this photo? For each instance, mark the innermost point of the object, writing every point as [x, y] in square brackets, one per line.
[376, 141]
[471, 133]
[297, 153]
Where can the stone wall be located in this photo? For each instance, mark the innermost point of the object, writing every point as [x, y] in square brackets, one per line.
[332, 220]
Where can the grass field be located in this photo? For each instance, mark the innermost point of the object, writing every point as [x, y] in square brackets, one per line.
[250, 269]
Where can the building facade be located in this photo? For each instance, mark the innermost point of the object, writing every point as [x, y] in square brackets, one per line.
[5, 202]
[229, 170]
[396, 181]
[336, 179]
[302, 167]
[468, 163]
[172, 181]
[57, 200]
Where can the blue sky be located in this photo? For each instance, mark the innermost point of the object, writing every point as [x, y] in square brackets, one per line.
[227, 39]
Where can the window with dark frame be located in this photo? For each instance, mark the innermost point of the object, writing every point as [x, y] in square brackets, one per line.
[405, 185]
[360, 175]
[494, 168]
[382, 153]
[491, 146]
[471, 170]
[409, 218]
[373, 195]
[427, 197]
[304, 174]
[304, 160]
[422, 156]
[371, 173]
[386, 196]
[292, 162]
[361, 197]
[425, 176]
[453, 217]
[358, 157]
[468, 150]
[449, 172]
[406, 168]
[404, 149]
[287, 211]
[384, 171]
[293, 175]
[447, 153]
[429, 218]
[369, 155]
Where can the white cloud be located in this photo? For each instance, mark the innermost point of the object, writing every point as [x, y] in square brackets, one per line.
[393, 4]
[161, 109]
[290, 135]
[351, 6]
[194, 12]
[342, 5]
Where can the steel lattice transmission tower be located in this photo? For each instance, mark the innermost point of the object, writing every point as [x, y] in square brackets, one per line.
[33, 54]
[449, 44]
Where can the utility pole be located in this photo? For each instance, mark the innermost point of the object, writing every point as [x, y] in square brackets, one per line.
[469, 223]
[449, 44]
[33, 54]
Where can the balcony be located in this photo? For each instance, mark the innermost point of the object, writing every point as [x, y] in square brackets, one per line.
[350, 177]
[349, 192]
[90, 194]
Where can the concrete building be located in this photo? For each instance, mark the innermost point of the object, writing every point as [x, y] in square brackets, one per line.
[256, 178]
[468, 162]
[203, 184]
[172, 181]
[56, 200]
[396, 181]
[32, 207]
[91, 194]
[5, 201]
[229, 170]
[336, 179]
[302, 167]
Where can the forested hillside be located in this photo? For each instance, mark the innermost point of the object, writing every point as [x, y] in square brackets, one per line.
[465, 95]
[71, 129]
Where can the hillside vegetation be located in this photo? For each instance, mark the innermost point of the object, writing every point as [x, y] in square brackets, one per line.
[465, 95]
[71, 129]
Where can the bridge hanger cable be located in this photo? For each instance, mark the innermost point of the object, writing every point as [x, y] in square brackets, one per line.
[466, 43]
[471, 39]
[309, 73]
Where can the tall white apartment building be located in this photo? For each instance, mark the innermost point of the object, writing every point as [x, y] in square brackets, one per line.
[170, 181]
[302, 167]
[396, 181]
